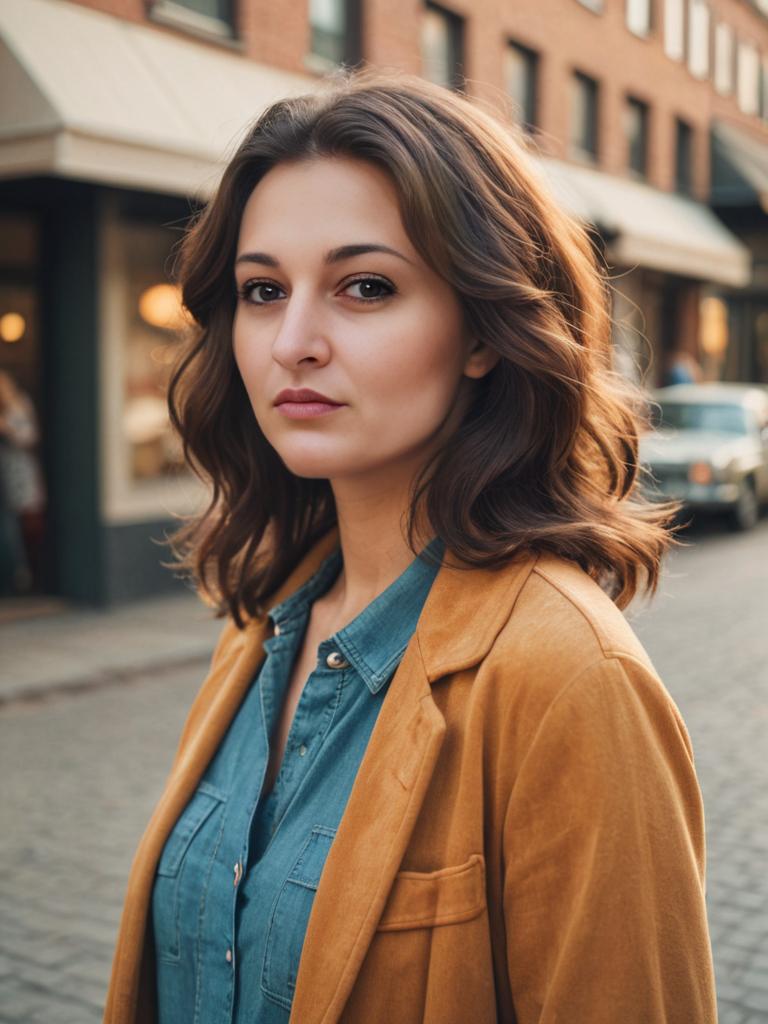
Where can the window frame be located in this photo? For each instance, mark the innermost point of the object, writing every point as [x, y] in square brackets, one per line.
[700, 72]
[351, 47]
[675, 30]
[176, 14]
[592, 85]
[532, 58]
[456, 43]
[634, 103]
[684, 130]
[647, 30]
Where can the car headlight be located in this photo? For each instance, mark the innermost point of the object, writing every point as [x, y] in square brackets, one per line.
[700, 473]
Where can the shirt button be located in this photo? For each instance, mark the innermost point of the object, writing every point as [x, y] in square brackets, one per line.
[302, 750]
[229, 956]
[277, 631]
[238, 869]
[336, 660]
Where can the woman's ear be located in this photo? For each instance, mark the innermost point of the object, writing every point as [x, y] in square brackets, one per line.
[480, 360]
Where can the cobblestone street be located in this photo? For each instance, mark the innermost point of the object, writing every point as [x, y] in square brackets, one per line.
[81, 772]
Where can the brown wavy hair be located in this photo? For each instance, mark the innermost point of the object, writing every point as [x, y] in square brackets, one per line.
[547, 455]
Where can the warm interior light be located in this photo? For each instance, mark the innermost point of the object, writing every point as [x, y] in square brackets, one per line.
[12, 327]
[161, 306]
[713, 326]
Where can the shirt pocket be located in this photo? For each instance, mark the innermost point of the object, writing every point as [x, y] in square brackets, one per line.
[428, 899]
[290, 917]
[181, 877]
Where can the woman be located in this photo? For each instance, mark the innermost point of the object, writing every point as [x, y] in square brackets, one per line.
[432, 774]
[22, 492]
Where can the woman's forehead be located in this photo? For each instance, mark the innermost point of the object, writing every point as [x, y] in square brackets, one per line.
[324, 204]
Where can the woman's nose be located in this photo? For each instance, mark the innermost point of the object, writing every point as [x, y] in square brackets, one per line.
[302, 333]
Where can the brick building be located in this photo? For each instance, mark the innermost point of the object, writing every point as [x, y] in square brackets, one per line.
[646, 117]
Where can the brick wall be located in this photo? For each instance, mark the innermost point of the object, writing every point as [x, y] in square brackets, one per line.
[567, 35]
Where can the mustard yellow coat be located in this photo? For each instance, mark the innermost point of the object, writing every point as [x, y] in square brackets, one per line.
[524, 840]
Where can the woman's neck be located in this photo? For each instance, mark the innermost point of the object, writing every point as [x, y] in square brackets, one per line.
[372, 521]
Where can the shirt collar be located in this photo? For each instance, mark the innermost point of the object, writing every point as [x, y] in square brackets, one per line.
[375, 640]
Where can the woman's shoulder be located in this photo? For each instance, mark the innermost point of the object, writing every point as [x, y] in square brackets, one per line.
[564, 626]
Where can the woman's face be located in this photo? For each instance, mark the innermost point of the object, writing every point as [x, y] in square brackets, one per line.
[377, 333]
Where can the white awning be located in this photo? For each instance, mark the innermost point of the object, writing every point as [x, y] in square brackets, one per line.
[89, 96]
[646, 227]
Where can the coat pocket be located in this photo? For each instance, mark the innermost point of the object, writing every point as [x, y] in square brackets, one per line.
[426, 899]
[179, 882]
[290, 917]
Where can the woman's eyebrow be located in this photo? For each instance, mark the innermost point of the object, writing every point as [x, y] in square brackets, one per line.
[344, 252]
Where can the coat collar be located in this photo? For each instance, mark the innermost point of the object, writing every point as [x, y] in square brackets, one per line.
[446, 644]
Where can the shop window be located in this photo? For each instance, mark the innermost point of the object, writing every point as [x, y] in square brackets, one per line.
[683, 157]
[334, 27]
[153, 317]
[674, 29]
[636, 120]
[583, 129]
[442, 46]
[638, 16]
[698, 38]
[521, 73]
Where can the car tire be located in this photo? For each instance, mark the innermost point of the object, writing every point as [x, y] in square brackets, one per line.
[746, 512]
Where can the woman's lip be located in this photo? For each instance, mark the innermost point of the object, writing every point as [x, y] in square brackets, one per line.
[306, 410]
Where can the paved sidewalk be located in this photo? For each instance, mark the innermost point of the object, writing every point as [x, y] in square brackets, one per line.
[75, 649]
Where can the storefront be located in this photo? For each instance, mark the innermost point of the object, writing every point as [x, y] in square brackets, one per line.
[111, 136]
[740, 196]
[669, 257]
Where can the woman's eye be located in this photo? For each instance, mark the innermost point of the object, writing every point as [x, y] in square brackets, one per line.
[260, 293]
[368, 285]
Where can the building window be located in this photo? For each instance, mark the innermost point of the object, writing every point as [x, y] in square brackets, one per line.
[698, 38]
[583, 136]
[638, 16]
[636, 115]
[521, 72]
[205, 16]
[748, 78]
[674, 29]
[442, 46]
[683, 157]
[334, 27]
[724, 58]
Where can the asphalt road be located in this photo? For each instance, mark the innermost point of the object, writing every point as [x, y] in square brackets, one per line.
[82, 771]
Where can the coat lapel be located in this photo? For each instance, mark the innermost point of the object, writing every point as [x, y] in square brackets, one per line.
[464, 612]
[372, 838]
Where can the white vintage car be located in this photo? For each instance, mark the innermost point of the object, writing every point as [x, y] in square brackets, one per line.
[709, 449]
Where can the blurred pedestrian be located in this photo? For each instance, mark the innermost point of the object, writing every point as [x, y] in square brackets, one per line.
[682, 368]
[23, 492]
[432, 775]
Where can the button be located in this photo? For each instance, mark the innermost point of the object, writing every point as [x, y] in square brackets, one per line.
[229, 956]
[336, 660]
[277, 631]
[238, 869]
[302, 750]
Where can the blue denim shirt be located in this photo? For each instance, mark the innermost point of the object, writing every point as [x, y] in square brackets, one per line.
[238, 874]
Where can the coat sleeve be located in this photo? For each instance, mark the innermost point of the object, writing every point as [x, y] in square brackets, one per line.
[603, 851]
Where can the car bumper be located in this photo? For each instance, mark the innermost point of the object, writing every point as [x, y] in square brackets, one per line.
[705, 497]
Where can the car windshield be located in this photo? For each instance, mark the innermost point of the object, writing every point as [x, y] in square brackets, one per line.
[729, 419]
